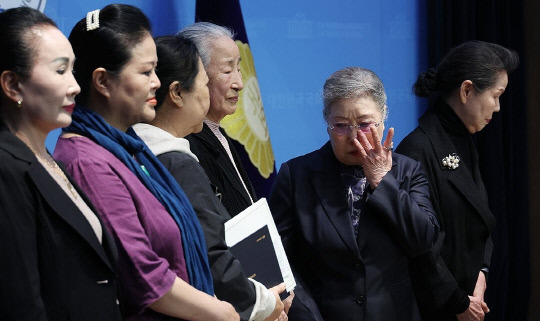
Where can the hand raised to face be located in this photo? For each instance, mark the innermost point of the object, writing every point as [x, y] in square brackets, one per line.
[376, 160]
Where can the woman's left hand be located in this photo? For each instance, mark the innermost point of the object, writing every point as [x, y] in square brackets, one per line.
[376, 160]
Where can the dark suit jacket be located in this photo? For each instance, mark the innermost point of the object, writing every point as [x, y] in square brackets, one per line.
[220, 170]
[53, 266]
[444, 279]
[352, 279]
[230, 282]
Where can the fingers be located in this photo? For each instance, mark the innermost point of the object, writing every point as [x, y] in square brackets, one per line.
[290, 297]
[479, 304]
[360, 148]
[484, 307]
[283, 317]
[376, 139]
[389, 137]
[387, 145]
[477, 308]
[278, 288]
[359, 143]
[288, 302]
[362, 138]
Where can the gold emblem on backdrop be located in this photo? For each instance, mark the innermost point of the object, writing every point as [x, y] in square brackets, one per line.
[248, 124]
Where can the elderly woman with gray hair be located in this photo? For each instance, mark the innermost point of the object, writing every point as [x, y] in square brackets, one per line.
[220, 58]
[353, 213]
[217, 155]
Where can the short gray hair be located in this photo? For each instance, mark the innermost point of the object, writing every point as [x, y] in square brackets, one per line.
[202, 34]
[353, 82]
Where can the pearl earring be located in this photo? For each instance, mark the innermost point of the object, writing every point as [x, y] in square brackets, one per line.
[19, 103]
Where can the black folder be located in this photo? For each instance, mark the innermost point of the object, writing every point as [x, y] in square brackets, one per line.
[258, 258]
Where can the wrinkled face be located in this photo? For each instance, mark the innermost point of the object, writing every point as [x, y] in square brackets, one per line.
[132, 92]
[225, 79]
[197, 101]
[354, 111]
[48, 95]
[477, 112]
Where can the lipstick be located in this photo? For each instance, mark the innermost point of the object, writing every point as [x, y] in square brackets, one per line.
[69, 108]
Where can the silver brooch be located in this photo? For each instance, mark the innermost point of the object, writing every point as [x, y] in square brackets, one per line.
[92, 20]
[451, 161]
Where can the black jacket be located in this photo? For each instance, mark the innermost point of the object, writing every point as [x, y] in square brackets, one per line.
[352, 279]
[220, 170]
[444, 279]
[53, 266]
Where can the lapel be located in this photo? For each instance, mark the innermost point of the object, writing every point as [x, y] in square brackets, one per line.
[223, 161]
[107, 242]
[332, 195]
[55, 197]
[460, 177]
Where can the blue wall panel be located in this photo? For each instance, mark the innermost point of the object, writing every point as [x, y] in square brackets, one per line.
[296, 46]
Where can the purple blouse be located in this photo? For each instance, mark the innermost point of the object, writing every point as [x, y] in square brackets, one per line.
[150, 253]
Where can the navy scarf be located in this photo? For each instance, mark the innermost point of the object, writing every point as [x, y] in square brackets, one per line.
[159, 182]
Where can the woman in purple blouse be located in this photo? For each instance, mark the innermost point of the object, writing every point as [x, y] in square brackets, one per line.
[163, 264]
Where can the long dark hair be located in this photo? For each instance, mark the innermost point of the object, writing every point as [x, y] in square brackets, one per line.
[477, 61]
[121, 27]
[178, 60]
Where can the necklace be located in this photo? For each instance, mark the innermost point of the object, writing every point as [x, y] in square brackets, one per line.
[52, 164]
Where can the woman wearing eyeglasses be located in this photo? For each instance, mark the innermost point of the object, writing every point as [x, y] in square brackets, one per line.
[352, 213]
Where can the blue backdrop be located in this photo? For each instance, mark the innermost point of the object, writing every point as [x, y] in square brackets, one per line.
[296, 45]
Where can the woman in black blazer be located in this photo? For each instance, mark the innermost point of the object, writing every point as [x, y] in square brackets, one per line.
[450, 282]
[57, 260]
[352, 213]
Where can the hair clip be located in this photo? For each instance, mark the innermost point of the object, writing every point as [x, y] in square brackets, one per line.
[451, 161]
[92, 20]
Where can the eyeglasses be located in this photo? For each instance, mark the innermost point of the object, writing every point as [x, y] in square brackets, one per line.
[342, 129]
